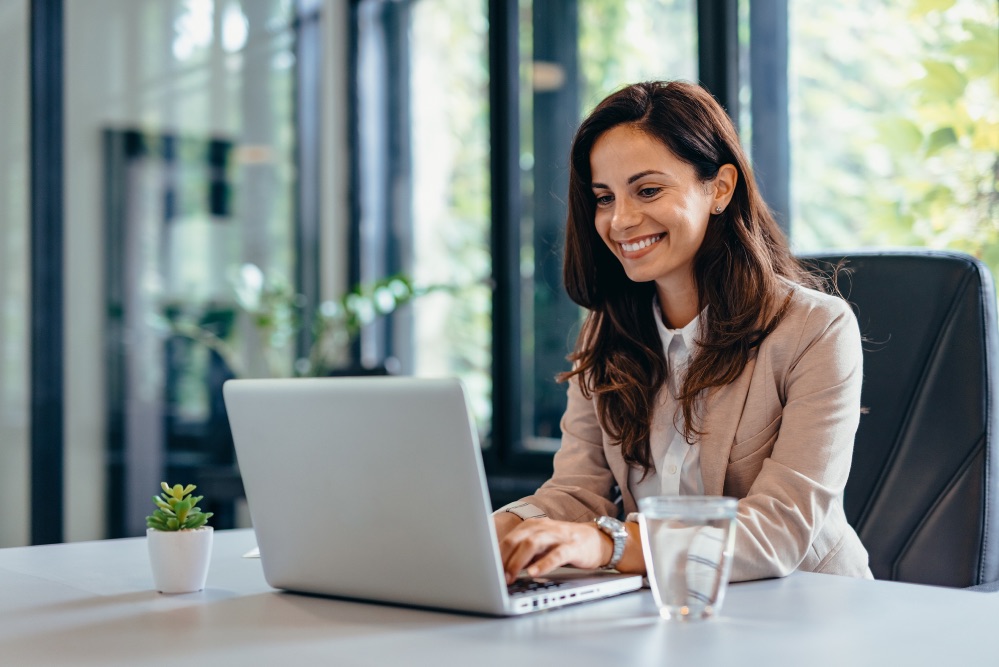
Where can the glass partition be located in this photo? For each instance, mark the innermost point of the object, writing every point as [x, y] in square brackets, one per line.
[179, 173]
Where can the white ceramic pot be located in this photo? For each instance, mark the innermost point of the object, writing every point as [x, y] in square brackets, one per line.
[180, 558]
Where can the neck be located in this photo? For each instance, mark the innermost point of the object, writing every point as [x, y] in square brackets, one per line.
[679, 304]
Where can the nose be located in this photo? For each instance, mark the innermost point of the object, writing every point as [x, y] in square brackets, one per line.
[626, 215]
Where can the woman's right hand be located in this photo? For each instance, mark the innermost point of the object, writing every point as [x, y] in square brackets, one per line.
[541, 545]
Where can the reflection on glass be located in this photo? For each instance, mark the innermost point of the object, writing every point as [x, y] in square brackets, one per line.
[179, 169]
[895, 124]
[14, 286]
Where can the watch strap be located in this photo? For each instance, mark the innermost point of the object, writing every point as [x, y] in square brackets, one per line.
[618, 533]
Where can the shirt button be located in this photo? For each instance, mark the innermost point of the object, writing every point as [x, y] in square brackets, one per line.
[672, 470]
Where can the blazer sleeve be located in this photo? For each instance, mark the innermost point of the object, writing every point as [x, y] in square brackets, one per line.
[801, 482]
[581, 483]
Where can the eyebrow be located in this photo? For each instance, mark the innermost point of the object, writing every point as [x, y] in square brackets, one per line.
[631, 179]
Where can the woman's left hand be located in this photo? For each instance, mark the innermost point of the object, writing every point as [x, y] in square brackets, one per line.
[542, 545]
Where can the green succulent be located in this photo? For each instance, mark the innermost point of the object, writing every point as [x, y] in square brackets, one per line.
[177, 510]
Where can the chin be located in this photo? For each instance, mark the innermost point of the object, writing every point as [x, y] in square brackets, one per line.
[641, 276]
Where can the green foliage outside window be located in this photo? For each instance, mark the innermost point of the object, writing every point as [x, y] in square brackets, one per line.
[895, 124]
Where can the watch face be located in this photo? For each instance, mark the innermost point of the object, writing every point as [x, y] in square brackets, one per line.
[610, 523]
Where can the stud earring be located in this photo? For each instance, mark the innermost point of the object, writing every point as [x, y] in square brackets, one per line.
[718, 209]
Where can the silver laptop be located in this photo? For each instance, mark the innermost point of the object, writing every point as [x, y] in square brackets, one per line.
[374, 489]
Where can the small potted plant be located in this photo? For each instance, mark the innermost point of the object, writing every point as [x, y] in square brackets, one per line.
[180, 542]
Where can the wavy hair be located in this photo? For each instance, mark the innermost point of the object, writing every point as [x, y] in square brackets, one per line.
[742, 270]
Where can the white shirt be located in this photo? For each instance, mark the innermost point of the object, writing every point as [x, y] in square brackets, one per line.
[676, 465]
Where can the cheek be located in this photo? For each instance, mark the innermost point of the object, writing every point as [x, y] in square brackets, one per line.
[601, 222]
[699, 207]
[696, 214]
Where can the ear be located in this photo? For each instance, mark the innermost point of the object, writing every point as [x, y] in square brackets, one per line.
[724, 185]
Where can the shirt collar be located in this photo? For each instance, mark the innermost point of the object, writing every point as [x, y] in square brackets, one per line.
[688, 334]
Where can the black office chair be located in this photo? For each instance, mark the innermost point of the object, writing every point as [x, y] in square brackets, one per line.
[923, 492]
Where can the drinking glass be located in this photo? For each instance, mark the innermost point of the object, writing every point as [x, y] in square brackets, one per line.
[688, 543]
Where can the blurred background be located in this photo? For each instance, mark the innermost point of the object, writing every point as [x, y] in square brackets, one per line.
[193, 190]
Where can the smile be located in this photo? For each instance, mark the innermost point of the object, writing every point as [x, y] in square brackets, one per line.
[644, 243]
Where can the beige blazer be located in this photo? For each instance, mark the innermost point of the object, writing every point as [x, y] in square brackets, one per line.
[779, 438]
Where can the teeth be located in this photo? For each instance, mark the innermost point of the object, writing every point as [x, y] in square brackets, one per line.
[644, 243]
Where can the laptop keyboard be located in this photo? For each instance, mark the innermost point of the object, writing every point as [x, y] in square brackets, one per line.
[533, 586]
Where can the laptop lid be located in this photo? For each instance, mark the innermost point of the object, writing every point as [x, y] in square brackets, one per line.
[369, 488]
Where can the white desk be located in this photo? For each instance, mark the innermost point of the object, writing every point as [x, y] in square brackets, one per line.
[92, 604]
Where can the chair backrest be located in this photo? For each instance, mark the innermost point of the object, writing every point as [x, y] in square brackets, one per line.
[923, 492]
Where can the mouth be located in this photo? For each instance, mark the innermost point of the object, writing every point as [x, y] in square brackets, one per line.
[641, 244]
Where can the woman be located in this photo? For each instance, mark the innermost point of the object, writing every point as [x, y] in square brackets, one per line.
[708, 363]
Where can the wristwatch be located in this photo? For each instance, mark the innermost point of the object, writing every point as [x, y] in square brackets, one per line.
[617, 532]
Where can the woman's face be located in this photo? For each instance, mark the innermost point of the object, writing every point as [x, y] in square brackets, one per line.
[651, 208]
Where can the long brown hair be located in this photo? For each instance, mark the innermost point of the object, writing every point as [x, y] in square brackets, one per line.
[742, 270]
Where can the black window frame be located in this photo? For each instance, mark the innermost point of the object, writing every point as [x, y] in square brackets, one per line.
[46, 167]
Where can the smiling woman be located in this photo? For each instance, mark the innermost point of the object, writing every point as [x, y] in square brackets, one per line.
[708, 363]
[654, 220]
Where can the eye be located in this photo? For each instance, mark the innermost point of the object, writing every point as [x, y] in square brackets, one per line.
[649, 192]
[604, 200]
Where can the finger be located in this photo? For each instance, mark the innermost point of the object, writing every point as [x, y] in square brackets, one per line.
[553, 559]
[527, 544]
[525, 553]
[512, 536]
[512, 541]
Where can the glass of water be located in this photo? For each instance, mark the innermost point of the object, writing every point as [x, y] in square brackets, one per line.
[688, 543]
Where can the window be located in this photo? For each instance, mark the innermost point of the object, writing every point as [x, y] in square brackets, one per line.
[460, 115]
[470, 108]
[180, 167]
[572, 54]
[465, 116]
[449, 84]
[895, 124]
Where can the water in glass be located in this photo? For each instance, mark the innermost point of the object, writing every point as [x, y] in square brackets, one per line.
[688, 544]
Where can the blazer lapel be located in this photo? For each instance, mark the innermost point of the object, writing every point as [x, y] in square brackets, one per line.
[620, 470]
[725, 406]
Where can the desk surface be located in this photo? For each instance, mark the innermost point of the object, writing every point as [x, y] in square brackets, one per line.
[93, 603]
